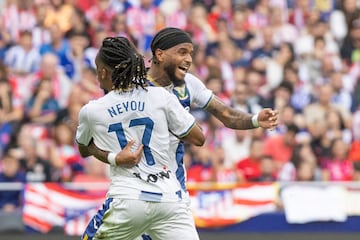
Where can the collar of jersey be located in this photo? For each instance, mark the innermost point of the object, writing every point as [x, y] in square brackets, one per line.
[168, 87]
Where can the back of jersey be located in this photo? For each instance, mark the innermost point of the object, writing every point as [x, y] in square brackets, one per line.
[146, 117]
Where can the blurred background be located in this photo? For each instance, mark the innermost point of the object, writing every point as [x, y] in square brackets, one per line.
[300, 57]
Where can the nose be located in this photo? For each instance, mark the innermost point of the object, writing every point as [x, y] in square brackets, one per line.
[188, 58]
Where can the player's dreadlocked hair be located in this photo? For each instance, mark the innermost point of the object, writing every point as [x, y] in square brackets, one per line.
[127, 64]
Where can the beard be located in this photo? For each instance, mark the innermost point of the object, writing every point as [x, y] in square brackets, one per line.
[170, 70]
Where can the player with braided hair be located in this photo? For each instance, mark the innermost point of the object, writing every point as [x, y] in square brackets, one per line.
[145, 197]
[130, 71]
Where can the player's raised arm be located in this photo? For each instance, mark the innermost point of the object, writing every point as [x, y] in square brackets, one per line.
[232, 118]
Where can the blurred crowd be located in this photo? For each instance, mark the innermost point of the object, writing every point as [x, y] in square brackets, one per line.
[301, 57]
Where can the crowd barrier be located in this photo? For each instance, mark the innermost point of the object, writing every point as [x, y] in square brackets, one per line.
[259, 207]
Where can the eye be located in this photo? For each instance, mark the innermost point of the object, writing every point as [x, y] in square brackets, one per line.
[182, 52]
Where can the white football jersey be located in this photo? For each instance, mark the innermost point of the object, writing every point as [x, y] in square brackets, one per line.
[194, 92]
[146, 117]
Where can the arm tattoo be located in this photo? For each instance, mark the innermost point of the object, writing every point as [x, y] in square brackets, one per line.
[230, 117]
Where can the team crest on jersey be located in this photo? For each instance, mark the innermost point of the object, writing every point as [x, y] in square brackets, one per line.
[182, 93]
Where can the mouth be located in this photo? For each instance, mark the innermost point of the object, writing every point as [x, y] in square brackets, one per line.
[184, 69]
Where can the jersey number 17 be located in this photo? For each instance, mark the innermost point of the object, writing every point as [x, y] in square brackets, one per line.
[148, 123]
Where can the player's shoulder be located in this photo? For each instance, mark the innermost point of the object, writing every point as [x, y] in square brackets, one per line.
[95, 103]
[157, 90]
[193, 82]
[189, 77]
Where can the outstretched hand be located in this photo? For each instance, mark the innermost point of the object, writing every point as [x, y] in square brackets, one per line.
[130, 155]
[268, 118]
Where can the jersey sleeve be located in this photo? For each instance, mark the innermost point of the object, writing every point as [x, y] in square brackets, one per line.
[83, 131]
[180, 121]
[200, 95]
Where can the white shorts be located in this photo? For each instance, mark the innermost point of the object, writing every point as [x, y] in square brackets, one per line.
[125, 219]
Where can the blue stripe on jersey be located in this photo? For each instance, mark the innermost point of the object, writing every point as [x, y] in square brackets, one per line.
[180, 172]
[150, 196]
[208, 102]
[96, 221]
[183, 94]
[146, 237]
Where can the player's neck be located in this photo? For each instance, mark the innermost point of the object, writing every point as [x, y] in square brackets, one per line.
[159, 78]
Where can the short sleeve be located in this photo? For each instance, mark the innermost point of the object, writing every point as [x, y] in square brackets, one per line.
[200, 95]
[83, 132]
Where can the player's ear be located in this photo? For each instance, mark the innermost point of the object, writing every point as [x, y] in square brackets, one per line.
[103, 73]
[159, 55]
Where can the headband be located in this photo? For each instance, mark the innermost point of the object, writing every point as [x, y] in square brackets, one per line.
[168, 38]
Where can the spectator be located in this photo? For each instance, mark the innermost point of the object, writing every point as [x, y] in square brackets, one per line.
[239, 99]
[17, 17]
[267, 170]
[59, 13]
[283, 31]
[216, 85]
[73, 59]
[141, 21]
[10, 173]
[79, 24]
[58, 44]
[222, 9]
[64, 155]
[248, 168]
[100, 15]
[337, 167]
[32, 165]
[198, 26]
[236, 146]
[349, 49]
[286, 117]
[200, 68]
[49, 69]
[336, 127]
[281, 95]
[94, 172]
[42, 107]
[303, 165]
[178, 16]
[356, 172]
[91, 51]
[280, 147]
[317, 110]
[240, 32]
[274, 70]
[265, 51]
[23, 58]
[254, 81]
[221, 172]
[341, 97]
[40, 33]
[200, 169]
[118, 28]
[11, 109]
[301, 95]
